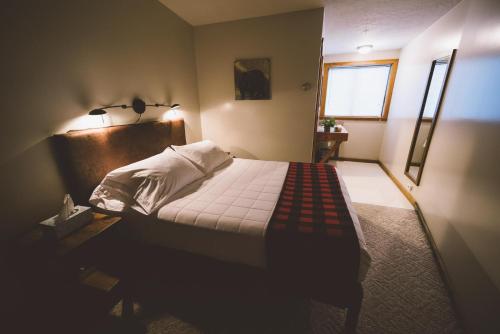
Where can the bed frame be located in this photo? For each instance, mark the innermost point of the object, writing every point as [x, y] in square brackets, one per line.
[86, 156]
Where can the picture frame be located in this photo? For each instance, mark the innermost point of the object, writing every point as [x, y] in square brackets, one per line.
[252, 79]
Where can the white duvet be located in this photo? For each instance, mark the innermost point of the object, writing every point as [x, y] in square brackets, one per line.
[225, 215]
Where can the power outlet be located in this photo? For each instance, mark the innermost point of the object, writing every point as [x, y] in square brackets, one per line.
[410, 187]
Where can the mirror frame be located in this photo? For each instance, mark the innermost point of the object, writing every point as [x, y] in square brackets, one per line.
[434, 120]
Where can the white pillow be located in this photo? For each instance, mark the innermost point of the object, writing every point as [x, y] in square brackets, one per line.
[204, 154]
[145, 185]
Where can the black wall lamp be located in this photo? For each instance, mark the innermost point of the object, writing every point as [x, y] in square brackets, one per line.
[138, 105]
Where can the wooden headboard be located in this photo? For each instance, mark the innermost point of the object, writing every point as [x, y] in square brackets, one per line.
[86, 156]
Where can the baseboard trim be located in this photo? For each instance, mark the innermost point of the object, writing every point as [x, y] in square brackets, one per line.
[445, 276]
[434, 248]
[359, 160]
[398, 184]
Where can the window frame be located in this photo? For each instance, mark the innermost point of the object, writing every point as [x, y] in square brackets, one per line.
[388, 91]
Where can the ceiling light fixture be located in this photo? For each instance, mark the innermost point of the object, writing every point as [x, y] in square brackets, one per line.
[365, 48]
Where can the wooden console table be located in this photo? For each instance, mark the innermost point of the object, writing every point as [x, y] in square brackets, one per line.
[336, 137]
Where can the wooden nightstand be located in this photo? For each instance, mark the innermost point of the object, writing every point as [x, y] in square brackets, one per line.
[66, 281]
[99, 225]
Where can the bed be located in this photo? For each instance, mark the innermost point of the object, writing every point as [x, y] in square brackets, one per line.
[292, 221]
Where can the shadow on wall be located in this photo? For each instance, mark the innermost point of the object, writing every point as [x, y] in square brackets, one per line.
[475, 208]
[74, 56]
[31, 188]
[459, 193]
[465, 290]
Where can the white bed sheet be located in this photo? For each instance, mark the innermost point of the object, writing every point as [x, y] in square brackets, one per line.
[225, 215]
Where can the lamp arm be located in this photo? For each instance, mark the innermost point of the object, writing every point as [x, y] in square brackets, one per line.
[157, 105]
[123, 106]
[138, 105]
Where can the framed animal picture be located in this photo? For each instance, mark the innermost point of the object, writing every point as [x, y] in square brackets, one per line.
[252, 79]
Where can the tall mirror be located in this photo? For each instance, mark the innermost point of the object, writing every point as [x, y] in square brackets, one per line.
[426, 121]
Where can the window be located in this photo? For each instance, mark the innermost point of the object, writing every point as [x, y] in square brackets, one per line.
[358, 90]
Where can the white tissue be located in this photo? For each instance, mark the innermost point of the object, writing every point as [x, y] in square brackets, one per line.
[66, 210]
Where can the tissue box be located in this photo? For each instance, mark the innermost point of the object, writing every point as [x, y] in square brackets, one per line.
[82, 216]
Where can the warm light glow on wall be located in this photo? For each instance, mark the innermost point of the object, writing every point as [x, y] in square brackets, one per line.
[172, 114]
[86, 122]
[94, 122]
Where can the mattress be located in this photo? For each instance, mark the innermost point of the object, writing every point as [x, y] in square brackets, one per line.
[225, 215]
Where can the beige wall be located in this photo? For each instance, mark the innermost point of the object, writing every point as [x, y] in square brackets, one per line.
[459, 193]
[276, 129]
[62, 58]
[365, 137]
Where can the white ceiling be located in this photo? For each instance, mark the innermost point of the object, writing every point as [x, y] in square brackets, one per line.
[391, 24]
[199, 12]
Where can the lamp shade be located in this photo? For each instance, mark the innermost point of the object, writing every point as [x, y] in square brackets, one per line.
[97, 112]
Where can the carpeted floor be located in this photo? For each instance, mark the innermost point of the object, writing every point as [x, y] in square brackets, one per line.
[403, 294]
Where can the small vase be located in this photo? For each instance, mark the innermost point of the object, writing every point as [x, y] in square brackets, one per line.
[326, 128]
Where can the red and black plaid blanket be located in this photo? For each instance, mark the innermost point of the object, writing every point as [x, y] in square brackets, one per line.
[311, 238]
